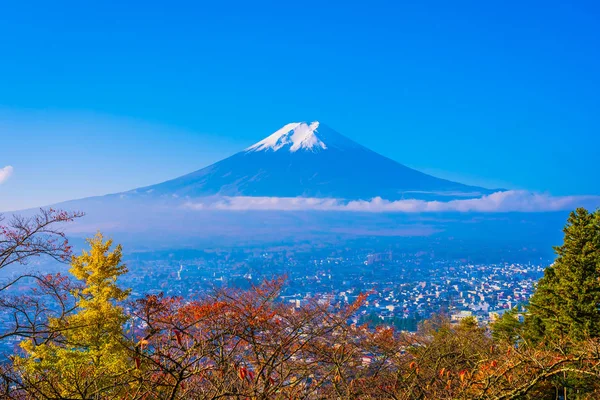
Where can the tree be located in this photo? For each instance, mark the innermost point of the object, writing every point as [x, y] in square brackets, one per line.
[565, 308]
[242, 344]
[567, 299]
[88, 357]
[507, 328]
[247, 344]
[23, 238]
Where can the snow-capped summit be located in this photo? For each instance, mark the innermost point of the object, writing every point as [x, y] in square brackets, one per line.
[294, 136]
[313, 137]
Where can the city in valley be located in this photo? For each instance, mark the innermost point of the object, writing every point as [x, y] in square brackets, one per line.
[402, 289]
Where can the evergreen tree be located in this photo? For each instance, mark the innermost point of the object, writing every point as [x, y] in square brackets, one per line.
[88, 358]
[507, 328]
[567, 299]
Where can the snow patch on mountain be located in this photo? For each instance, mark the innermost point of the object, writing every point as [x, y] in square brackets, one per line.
[294, 136]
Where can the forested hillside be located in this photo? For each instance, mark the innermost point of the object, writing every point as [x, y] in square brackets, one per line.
[81, 337]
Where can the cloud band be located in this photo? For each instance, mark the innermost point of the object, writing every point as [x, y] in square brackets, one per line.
[506, 201]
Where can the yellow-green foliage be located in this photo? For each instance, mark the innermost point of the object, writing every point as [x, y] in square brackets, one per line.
[89, 355]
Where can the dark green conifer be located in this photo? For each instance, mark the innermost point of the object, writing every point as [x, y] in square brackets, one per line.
[567, 299]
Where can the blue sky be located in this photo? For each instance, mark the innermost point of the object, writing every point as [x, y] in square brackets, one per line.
[99, 98]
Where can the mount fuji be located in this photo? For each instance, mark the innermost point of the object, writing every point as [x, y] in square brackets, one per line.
[279, 188]
[310, 160]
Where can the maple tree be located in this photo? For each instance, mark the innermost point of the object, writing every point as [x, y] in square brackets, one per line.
[25, 237]
[238, 343]
[22, 238]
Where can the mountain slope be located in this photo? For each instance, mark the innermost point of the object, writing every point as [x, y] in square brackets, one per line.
[310, 160]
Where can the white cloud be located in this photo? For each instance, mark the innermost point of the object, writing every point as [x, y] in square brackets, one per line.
[5, 173]
[508, 201]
